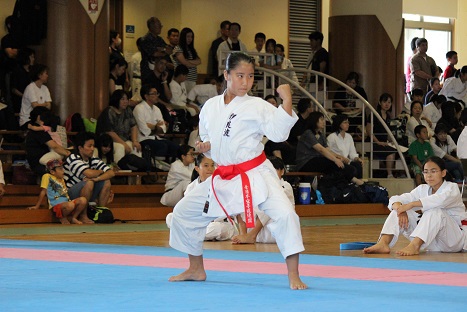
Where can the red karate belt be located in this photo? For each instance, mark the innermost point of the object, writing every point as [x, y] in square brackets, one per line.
[464, 222]
[229, 172]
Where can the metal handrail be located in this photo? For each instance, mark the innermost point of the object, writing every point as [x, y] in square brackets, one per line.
[366, 105]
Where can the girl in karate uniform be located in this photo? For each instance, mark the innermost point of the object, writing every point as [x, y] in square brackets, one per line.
[231, 128]
[430, 216]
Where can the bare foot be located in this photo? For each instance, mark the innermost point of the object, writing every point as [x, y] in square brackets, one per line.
[296, 283]
[378, 248]
[64, 221]
[189, 275]
[409, 250]
[243, 239]
[86, 220]
[76, 221]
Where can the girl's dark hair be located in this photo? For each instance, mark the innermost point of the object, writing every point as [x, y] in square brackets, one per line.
[270, 96]
[448, 111]
[353, 76]
[271, 41]
[280, 46]
[37, 70]
[115, 98]
[277, 163]
[441, 128]
[183, 150]
[188, 49]
[463, 70]
[314, 118]
[105, 140]
[463, 118]
[413, 104]
[235, 58]
[120, 61]
[433, 80]
[383, 98]
[198, 161]
[112, 35]
[438, 161]
[337, 121]
[438, 98]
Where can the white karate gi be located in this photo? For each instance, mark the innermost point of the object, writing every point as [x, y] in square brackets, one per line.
[265, 235]
[440, 225]
[218, 229]
[235, 132]
[178, 178]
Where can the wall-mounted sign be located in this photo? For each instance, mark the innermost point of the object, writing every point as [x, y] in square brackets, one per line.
[93, 8]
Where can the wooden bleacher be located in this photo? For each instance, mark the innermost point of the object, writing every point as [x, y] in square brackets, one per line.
[137, 201]
[142, 203]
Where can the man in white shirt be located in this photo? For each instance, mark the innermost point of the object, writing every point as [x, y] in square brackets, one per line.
[231, 44]
[203, 92]
[151, 125]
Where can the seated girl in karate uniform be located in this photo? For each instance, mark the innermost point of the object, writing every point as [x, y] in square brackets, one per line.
[430, 216]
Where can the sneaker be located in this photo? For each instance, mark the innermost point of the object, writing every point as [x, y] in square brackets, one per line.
[390, 176]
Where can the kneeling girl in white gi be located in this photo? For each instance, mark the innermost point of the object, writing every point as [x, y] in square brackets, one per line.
[217, 230]
[429, 216]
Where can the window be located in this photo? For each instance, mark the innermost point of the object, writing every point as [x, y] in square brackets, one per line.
[304, 18]
[437, 30]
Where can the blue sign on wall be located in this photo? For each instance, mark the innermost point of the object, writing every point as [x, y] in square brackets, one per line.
[130, 29]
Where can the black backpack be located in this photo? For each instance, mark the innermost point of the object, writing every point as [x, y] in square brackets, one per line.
[335, 189]
[100, 214]
[376, 193]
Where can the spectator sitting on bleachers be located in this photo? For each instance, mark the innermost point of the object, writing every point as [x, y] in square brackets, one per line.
[53, 186]
[455, 88]
[314, 155]
[179, 91]
[450, 117]
[203, 92]
[36, 94]
[179, 176]
[85, 175]
[152, 125]
[159, 80]
[381, 146]
[415, 95]
[21, 76]
[304, 110]
[433, 110]
[435, 89]
[445, 148]
[50, 124]
[118, 68]
[417, 118]
[118, 121]
[419, 151]
[341, 143]
[345, 101]
[282, 150]
[2, 180]
[39, 143]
